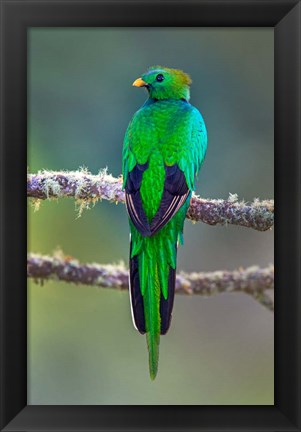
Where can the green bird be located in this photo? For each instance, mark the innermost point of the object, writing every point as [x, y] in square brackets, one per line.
[164, 147]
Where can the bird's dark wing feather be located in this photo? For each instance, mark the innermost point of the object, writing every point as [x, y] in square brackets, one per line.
[133, 199]
[174, 195]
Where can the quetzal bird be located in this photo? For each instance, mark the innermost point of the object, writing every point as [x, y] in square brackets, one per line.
[164, 147]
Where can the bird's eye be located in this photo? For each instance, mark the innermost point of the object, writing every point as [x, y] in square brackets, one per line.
[159, 77]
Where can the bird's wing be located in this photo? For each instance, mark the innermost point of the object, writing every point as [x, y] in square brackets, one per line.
[174, 195]
[179, 177]
[133, 199]
[132, 172]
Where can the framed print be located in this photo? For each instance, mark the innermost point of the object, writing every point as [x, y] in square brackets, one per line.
[67, 359]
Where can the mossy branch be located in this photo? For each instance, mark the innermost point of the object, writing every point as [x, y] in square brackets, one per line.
[254, 281]
[87, 188]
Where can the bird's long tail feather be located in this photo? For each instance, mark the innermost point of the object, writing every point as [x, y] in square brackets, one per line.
[151, 300]
[152, 284]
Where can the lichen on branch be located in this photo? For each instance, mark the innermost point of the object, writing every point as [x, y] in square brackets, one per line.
[88, 189]
[253, 281]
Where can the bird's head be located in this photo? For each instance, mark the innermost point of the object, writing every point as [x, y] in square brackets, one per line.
[165, 83]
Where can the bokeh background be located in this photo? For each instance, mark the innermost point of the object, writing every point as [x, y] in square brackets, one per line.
[82, 347]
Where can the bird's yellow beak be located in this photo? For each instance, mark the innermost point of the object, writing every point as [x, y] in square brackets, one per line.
[139, 82]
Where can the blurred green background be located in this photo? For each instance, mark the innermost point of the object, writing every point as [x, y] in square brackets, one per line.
[82, 346]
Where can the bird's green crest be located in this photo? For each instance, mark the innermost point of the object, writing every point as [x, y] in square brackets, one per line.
[166, 83]
[178, 73]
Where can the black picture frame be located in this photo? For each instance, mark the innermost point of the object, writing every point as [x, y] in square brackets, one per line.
[16, 18]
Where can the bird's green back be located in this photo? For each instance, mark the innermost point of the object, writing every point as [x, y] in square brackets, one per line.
[164, 132]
